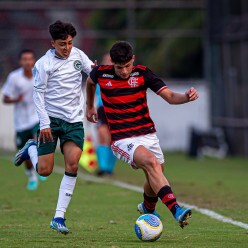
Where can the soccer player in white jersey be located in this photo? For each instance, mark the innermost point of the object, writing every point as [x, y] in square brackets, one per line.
[18, 90]
[59, 102]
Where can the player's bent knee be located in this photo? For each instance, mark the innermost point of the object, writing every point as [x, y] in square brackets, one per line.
[72, 168]
[45, 164]
[44, 171]
[152, 163]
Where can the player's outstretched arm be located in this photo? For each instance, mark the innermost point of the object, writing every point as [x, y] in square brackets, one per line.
[178, 98]
[91, 112]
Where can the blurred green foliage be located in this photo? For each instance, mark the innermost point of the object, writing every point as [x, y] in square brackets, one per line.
[169, 41]
[169, 55]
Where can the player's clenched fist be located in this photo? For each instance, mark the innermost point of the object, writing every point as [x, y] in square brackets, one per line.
[192, 94]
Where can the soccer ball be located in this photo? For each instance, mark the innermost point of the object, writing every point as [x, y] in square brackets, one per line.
[148, 227]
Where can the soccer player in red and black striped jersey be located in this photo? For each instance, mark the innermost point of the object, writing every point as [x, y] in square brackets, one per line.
[133, 133]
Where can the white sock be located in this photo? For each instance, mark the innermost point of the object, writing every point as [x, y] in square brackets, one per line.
[65, 193]
[33, 154]
[31, 174]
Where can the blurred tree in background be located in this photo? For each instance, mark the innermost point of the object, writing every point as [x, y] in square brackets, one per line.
[171, 56]
[167, 37]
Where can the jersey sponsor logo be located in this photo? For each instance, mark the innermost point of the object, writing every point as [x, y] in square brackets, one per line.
[133, 82]
[78, 65]
[107, 75]
[109, 84]
[134, 74]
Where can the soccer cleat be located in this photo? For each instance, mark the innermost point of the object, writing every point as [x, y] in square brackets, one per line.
[58, 224]
[182, 215]
[22, 154]
[32, 185]
[142, 209]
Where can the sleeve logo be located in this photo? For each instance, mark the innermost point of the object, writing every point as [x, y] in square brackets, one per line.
[78, 65]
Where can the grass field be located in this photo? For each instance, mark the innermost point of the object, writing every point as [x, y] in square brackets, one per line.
[103, 215]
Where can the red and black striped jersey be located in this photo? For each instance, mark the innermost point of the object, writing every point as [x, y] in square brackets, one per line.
[125, 101]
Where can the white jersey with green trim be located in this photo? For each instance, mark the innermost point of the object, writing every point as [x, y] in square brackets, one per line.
[58, 86]
[25, 116]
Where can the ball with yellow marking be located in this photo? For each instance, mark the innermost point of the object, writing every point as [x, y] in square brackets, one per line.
[148, 227]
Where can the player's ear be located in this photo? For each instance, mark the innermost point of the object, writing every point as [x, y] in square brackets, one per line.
[133, 58]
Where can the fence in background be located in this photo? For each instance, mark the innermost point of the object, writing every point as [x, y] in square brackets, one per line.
[226, 69]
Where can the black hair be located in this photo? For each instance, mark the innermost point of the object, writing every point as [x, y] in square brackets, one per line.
[121, 52]
[61, 30]
[25, 51]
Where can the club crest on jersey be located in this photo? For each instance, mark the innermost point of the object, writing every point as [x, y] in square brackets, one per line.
[133, 82]
[78, 65]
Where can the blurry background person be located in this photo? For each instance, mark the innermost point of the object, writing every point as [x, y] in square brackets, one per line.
[105, 156]
[18, 90]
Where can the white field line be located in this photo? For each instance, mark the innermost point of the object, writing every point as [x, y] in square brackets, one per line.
[124, 185]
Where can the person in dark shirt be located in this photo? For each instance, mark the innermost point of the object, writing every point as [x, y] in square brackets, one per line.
[123, 90]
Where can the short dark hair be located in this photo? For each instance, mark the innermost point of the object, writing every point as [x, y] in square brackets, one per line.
[121, 52]
[61, 30]
[25, 51]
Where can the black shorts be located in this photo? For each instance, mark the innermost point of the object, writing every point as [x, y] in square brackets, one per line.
[102, 120]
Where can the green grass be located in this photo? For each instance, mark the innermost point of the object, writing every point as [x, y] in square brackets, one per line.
[102, 215]
[220, 185]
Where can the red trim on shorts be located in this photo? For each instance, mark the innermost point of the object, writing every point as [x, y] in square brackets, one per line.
[121, 152]
[124, 154]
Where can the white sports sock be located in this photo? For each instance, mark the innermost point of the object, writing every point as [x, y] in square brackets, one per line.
[33, 154]
[65, 193]
[31, 174]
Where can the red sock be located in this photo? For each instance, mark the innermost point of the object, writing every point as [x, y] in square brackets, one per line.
[167, 197]
[150, 202]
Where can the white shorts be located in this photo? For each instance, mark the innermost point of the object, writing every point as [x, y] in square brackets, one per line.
[124, 149]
